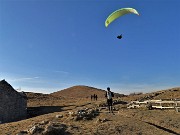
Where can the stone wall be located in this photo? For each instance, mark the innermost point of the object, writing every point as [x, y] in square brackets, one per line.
[12, 104]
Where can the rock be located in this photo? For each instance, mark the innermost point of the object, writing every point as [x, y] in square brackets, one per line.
[85, 118]
[84, 114]
[54, 129]
[71, 113]
[35, 129]
[104, 120]
[44, 122]
[71, 127]
[98, 120]
[22, 133]
[59, 116]
[101, 120]
[76, 118]
[86, 109]
[72, 118]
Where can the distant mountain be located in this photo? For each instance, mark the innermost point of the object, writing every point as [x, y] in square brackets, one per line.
[81, 92]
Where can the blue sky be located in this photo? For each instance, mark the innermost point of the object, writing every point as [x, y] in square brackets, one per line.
[49, 45]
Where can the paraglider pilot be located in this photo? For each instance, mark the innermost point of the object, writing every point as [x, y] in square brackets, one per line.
[119, 37]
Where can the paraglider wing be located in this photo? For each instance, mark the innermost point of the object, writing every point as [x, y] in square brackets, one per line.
[118, 13]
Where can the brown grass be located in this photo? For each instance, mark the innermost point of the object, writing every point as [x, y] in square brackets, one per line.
[124, 122]
[81, 92]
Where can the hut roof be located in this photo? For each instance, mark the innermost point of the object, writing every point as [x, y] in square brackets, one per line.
[4, 85]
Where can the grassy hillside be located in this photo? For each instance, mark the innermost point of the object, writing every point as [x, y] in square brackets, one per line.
[82, 92]
[79, 92]
[173, 93]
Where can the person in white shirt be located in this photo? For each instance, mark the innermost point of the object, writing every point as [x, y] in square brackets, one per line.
[109, 96]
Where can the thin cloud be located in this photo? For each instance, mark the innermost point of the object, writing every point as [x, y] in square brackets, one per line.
[61, 72]
[24, 79]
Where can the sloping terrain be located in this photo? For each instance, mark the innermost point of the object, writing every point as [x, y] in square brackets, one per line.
[173, 93]
[40, 99]
[124, 121]
[81, 92]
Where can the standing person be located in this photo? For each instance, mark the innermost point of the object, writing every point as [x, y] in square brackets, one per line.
[96, 97]
[109, 96]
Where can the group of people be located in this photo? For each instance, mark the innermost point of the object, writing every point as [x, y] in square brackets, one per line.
[94, 97]
[109, 95]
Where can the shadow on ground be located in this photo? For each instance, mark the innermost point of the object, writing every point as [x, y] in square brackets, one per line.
[40, 110]
[163, 128]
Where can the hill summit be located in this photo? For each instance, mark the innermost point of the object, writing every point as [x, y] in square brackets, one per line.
[79, 91]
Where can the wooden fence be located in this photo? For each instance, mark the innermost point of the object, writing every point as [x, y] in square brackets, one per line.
[157, 104]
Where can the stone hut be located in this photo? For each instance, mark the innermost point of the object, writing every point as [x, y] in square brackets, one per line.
[13, 104]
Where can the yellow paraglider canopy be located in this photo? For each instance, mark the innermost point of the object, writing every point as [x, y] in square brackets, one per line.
[118, 13]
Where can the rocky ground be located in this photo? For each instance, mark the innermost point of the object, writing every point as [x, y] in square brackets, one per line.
[81, 116]
[86, 117]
